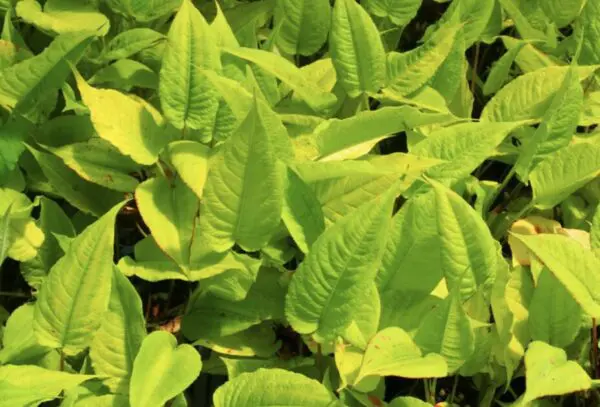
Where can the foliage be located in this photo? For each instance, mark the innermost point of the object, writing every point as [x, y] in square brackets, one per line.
[299, 203]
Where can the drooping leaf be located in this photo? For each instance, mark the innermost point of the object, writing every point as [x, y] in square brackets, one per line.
[76, 292]
[244, 189]
[273, 387]
[303, 25]
[287, 72]
[356, 49]
[213, 313]
[341, 263]
[302, 213]
[63, 16]
[448, 331]
[53, 221]
[187, 97]
[554, 316]
[25, 85]
[369, 127]
[31, 385]
[131, 125]
[99, 162]
[120, 335]
[258, 340]
[463, 147]
[190, 159]
[407, 72]
[563, 173]
[144, 11]
[86, 196]
[529, 96]
[400, 12]
[126, 74]
[549, 372]
[572, 264]
[392, 352]
[499, 74]
[130, 42]
[558, 125]
[169, 208]
[175, 368]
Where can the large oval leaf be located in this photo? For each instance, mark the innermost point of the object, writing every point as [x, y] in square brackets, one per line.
[244, 190]
[341, 264]
[187, 98]
[270, 387]
[75, 295]
[304, 25]
[356, 49]
[162, 370]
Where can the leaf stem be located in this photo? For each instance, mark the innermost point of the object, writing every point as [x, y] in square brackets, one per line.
[500, 188]
[61, 364]
[14, 295]
[595, 348]
[320, 362]
[474, 70]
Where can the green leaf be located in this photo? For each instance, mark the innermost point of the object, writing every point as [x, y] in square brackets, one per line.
[130, 42]
[14, 131]
[24, 238]
[244, 190]
[462, 146]
[133, 126]
[126, 74]
[409, 71]
[526, 28]
[563, 173]
[211, 316]
[392, 352]
[99, 162]
[303, 25]
[554, 316]
[529, 96]
[341, 263]
[144, 11]
[550, 374]
[156, 380]
[562, 12]
[258, 340]
[24, 85]
[302, 213]
[356, 49]
[595, 230]
[400, 12]
[31, 385]
[500, 71]
[190, 159]
[572, 264]
[87, 197]
[558, 125]
[590, 48]
[288, 73]
[186, 96]
[19, 342]
[270, 387]
[120, 335]
[369, 127]
[474, 14]
[63, 16]
[53, 221]
[5, 234]
[407, 402]
[75, 295]
[169, 208]
[447, 330]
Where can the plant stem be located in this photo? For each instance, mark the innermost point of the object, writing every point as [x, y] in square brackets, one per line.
[426, 387]
[432, 391]
[501, 187]
[453, 392]
[595, 348]
[474, 71]
[14, 295]
[61, 365]
[320, 362]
